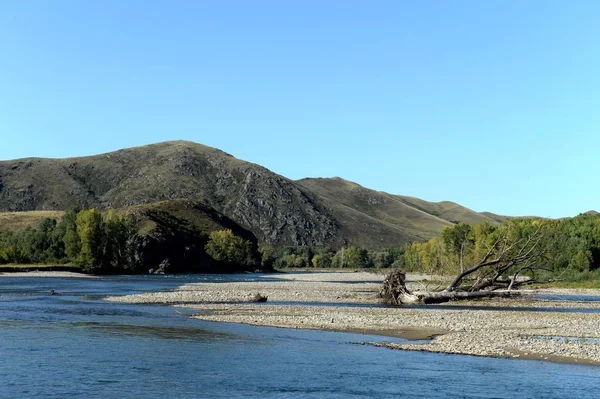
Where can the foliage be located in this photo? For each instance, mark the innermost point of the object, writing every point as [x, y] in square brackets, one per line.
[226, 247]
[571, 246]
[352, 257]
[105, 242]
[96, 242]
[325, 257]
[571, 249]
[68, 229]
[267, 255]
[112, 242]
[118, 231]
[90, 231]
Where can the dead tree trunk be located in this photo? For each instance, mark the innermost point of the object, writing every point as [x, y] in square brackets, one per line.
[447, 296]
[395, 292]
[503, 258]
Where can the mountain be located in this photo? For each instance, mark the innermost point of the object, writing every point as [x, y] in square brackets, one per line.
[275, 209]
[412, 216]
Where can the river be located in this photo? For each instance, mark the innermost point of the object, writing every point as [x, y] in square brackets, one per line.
[77, 345]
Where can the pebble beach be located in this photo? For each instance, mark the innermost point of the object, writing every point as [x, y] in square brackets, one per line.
[348, 302]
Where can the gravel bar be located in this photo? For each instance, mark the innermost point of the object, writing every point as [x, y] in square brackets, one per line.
[348, 302]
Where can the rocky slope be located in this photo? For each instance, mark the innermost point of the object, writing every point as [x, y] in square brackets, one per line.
[277, 210]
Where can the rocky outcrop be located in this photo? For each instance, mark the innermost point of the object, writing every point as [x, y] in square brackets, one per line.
[271, 206]
[277, 210]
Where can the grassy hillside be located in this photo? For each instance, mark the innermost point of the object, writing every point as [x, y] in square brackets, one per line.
[275, 209]
[349, 198]
[271, 206]
[451, 211]
[418, 218]
[14, 221]
[182, 215]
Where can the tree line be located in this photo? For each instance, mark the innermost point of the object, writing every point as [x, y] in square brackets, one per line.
[493, 261]
[108, 242]
[97, 242]
[571, 249]
[352, 257]
[568, 248]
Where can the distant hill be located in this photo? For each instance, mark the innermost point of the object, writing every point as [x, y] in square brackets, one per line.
[275, 209]
[412, 216]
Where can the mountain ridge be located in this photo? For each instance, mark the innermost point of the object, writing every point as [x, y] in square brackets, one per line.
[278, 210]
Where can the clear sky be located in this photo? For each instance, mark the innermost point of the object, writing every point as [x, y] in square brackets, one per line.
[493, 104]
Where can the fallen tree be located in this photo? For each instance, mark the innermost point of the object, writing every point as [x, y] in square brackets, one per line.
[509, 263]
[395, 292]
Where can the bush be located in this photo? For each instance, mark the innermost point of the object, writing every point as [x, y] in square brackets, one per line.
[224, 246]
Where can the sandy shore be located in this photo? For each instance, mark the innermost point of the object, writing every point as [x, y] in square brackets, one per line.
[347, 302]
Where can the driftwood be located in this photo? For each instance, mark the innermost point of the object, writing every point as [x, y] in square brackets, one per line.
[504, 257]
[446, 296]
[507, 265]
[259, 298]
[395, 292]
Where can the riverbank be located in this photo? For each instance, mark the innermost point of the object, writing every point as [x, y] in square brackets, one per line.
[348, 302]
[11, 269]
[44, 273]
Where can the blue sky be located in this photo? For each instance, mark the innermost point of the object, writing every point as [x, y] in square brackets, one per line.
[491, 104]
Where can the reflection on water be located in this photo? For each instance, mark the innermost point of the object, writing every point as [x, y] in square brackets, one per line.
[72, 347]
[158, 332]
[110, 285]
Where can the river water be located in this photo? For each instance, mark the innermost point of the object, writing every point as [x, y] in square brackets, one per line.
[77, 345]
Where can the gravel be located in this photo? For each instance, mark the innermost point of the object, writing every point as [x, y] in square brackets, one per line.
[499, 333]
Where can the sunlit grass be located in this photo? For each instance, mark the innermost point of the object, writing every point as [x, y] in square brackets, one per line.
[15, 221]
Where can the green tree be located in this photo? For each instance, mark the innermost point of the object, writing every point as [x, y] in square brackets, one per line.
[322, 260]
[581, 261]
[268, 255]
[357, 257]
[353, 257]
[381, 259]
[226, 247]
[457, 241]
[91, 234]
[13, 254]
[70, 236]
[117, 230]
